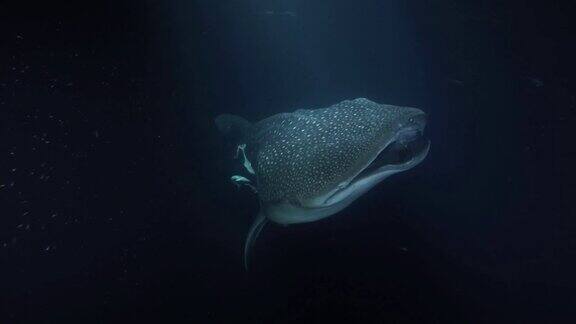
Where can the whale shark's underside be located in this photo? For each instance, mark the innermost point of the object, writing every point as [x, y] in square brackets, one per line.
[310, 164]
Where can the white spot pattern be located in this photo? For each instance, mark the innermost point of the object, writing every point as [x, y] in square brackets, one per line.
[305, 153]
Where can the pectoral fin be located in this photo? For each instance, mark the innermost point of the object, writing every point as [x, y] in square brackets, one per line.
[253, 233]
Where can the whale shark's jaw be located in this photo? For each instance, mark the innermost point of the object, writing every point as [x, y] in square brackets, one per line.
[406, 157]
[404, 150]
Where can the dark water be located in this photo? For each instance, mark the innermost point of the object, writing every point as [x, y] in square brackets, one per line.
[115, 200]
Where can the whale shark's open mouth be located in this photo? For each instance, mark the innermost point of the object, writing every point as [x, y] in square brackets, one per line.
[407, 146]
[405, 150]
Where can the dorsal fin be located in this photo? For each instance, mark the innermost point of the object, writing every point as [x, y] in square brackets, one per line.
[233, 127]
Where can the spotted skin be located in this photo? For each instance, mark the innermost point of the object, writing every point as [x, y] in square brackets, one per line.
[307, 162]
[306, 153]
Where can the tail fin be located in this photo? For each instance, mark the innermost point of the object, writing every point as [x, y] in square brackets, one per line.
[253, 233]
[233, 127]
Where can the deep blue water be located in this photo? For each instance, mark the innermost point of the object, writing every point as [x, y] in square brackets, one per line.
[115, 199]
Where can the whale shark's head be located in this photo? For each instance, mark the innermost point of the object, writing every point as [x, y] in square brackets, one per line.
[311, 164]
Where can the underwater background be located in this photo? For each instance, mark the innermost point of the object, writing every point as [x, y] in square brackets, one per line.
[115, 197]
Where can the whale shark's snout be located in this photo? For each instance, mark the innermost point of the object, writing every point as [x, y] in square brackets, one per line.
[409, 139]
[401, 146]
[413, 127]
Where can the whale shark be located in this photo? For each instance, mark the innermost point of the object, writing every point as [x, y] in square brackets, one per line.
[312, 163]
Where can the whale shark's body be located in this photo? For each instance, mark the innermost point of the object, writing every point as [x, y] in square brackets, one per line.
[310, 164]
